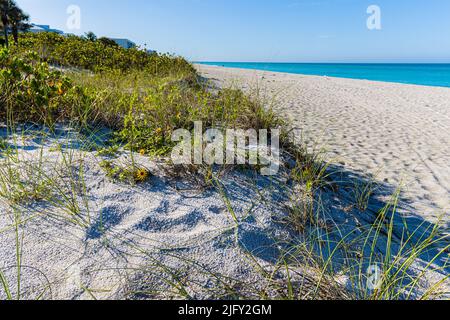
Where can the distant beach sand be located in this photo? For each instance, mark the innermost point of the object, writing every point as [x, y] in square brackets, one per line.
[399, 133]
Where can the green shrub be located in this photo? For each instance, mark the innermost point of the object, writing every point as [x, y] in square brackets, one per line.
[142, 97]
[30, 89]
[99, 56]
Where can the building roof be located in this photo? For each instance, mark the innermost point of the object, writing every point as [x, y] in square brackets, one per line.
[44, 28]
[121, 39]
[125, 43]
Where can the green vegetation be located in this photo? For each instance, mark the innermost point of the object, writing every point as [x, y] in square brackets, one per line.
[143, 97]
[99, 56]
[30, 91]
[129, 173]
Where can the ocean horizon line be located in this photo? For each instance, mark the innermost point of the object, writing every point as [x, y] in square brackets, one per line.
[347, 63]
[425, 74]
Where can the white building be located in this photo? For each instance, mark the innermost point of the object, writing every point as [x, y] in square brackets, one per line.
[38, 28]
[124, 43]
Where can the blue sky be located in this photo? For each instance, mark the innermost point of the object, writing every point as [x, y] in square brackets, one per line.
[265, 30]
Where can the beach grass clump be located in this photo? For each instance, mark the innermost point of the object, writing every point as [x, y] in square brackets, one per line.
[18, 184]
[310, 175]
[380, 258]
[398, 277]
[57, 183]
[363, 192]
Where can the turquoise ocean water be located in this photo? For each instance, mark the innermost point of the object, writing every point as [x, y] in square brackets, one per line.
[420, 74]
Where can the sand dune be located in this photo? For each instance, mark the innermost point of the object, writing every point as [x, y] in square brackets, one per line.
[125, 239]
[399, 133]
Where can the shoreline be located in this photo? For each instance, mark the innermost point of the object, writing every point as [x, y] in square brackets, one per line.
[197, 64]
[398, 133]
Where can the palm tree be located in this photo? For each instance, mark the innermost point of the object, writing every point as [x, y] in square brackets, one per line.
[12, 19]
[5, 10]
[19, 22]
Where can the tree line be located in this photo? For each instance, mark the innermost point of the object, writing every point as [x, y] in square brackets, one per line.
[13, 20]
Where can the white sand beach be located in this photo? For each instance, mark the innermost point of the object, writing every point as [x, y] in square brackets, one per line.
[399, 133]
[167, 238]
